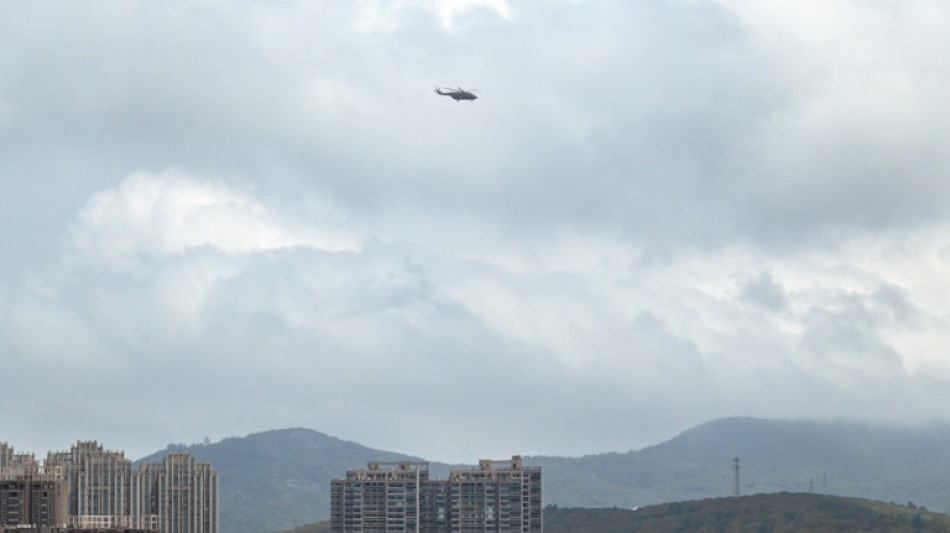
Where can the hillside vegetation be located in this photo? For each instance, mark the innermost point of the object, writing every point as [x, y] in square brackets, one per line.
[761, 513]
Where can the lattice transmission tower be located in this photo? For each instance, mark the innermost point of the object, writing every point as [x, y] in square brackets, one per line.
[735, 477]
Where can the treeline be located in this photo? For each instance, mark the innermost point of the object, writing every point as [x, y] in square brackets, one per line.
[762, 513]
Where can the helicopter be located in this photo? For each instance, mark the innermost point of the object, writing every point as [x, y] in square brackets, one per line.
[458, 94]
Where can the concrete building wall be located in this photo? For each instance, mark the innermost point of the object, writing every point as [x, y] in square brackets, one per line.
[185, 494]
[8, 457]
[383, 498]
[31, 495]
[496, 496]
[98, 481]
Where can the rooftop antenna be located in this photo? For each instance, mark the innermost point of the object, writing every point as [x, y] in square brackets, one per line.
[735, 478]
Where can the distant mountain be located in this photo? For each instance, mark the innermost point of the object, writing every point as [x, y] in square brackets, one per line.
[841, 458]
[278, 480]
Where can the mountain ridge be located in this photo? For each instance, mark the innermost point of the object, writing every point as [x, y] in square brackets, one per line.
[279, 479]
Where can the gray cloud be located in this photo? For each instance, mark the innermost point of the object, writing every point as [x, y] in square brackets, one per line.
[763, 291]
[219, 219]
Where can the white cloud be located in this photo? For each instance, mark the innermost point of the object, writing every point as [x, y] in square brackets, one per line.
[450, 10]
[157, 215]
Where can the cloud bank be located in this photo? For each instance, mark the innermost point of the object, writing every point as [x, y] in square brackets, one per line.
[219, 219]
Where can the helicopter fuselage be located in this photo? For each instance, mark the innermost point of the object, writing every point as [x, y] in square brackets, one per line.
[457, 94]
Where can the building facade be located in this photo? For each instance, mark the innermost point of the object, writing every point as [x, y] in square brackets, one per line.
[99, 482]
[89, 487]
[495, 496]
[29, 494]
[180, 495]
[397, 497]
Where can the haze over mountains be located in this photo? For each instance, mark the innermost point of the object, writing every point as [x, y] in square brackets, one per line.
[275, 480]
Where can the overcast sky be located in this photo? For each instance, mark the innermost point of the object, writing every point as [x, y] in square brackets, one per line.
[218, 218]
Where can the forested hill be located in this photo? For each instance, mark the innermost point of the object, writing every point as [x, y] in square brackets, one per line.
[771, 513]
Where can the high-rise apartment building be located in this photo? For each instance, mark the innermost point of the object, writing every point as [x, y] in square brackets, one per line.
[381, 497]
[397, 497]
[99, 488]
[495, 496]
[9, 458]
[30, 494]
[99, 482]
[180, 494]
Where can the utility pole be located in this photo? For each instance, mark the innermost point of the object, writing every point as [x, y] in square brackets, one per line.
[735, 479]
